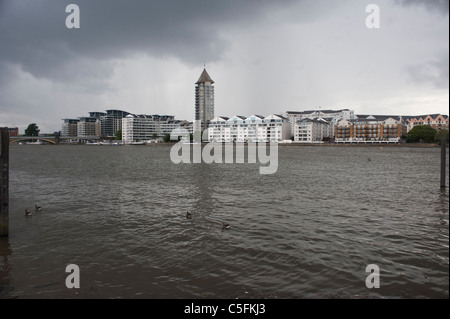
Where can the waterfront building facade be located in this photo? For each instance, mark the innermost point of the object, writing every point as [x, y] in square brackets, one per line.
[187, 126]
[219, 130]
[204, 102]
[70, 127]
[88, 127]
[97, 124]
[138, 127]
[13, 131]
[254, 128]
[373, 128]
[277, 128]
[436, 121]
[312, 130]
[148, 127]
[332, 116]
[97, 115]
[112, 122]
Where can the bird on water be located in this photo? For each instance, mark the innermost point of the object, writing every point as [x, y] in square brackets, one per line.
[27, 213]
[37, 208]
[225, 226]
[188, 215]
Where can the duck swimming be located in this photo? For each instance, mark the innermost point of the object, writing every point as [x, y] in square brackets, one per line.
[27, 213]
[37, 208]
[225, 226]
[188, 215]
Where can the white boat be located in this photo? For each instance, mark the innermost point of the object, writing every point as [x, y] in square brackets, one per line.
[38, 142]
[138, 143]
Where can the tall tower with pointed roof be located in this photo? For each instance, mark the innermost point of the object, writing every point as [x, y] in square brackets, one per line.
[204, 100]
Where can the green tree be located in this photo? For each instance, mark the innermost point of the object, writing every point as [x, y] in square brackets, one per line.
[119, 135]
[32, 130]
[421, 133]
[440, 135]
[154, 136]
[167, 138]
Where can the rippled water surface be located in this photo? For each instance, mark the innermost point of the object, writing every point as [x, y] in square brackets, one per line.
[308, 230]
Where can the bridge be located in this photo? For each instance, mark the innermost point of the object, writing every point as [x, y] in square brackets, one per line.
[50, 139]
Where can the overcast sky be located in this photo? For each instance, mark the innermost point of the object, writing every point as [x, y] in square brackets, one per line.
[265, 56]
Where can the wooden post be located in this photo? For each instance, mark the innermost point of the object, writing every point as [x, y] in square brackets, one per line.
[4, 182]
[443, 161]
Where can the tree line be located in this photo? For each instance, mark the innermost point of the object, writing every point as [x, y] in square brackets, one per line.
[426, 134]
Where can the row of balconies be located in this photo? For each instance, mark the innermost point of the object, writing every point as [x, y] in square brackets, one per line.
[366, 130]
[242, 124]
[244, 133]
[365, 127]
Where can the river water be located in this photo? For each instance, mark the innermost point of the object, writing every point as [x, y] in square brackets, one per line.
[307, 231]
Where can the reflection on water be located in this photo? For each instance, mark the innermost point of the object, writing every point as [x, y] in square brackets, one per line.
[443, 206]
[308, 230]
[5, 251]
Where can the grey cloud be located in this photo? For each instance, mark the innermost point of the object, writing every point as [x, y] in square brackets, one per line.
[33, 33]
[75, 68]
[435, 72]
[441, 6]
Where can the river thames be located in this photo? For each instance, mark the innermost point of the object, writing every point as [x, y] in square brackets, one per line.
[307, 231]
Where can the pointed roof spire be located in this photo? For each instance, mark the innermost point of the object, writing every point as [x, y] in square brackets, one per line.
[204, 77]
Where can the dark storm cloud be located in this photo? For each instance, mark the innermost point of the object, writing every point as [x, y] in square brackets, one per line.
[441, 6]
[33, 33]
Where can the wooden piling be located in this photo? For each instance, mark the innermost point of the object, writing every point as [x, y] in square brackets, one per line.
[4, 182]
[443, 161]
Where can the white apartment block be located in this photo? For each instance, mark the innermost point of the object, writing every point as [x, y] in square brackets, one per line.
[137, 128]
[332, 116]
[311, 130]
[146, 127]
[254, 128]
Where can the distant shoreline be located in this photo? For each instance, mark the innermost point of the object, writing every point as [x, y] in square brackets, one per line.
[414, 145]
[417, 145]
